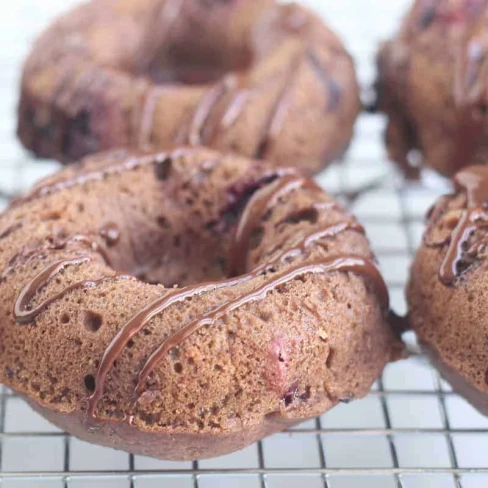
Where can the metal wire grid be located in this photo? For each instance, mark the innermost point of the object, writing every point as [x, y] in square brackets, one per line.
[411, 431]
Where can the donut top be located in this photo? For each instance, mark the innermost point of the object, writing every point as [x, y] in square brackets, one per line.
[439, 40]
[472, 184]
[255, 77]
[274, 185]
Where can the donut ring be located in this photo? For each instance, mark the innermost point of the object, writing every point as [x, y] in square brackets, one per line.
[290, 319]
[432, 86]
[448, 282]
[264, 80]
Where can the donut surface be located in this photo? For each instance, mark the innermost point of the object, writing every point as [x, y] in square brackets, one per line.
[447, 289]
[264, 80]
[184, 304]
[432, 86]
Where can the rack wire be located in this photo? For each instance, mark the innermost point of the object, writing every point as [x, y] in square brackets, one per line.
[411, 431]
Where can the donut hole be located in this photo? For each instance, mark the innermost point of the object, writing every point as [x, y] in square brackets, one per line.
[93, 321]
[196, 55]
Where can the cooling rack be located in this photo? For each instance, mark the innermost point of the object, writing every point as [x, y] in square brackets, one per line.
[411, 431]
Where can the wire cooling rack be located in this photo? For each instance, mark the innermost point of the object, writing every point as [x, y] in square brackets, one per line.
[411, 431]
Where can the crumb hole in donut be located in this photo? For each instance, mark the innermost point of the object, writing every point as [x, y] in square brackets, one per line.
[178, 367]
[80, 208]
[90, 382]
[290, 396]
[65, 318]
[130, 343]
[306, 394]
[52, 215]
[330, 358]
[163, 222]
[93, 321]
[163, 169]
[310, 215]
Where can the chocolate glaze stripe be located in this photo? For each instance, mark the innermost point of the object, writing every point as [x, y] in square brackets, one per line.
[343, 263]
[40, 252]
[316, 236]
[449, 266]
[325, 233]
[204, 109]
[164, 15]
[473, 181]
[255, 210]
[137, 323]
[239, 102]
[262, 147]
[146, 124]
[236, 108]
[22, 312]
[332, 90]
[11, 229]
[128, 164]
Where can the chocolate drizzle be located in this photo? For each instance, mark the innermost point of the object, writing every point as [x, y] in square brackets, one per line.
[115, 167]
[277, 114]
[10, 229]
[333, 91]
[204, 109]
[22, 311]
[353, 263]
[255, 211]
[473, 181]
[271, 273]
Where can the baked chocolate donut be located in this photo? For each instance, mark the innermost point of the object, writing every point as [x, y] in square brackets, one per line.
[184, 304]
[433, 88]
[447, 289]
[264, 80]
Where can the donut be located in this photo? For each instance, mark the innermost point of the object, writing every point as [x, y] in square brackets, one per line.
[447, 288]
[264, 80]
[431, 86]
[183, 304]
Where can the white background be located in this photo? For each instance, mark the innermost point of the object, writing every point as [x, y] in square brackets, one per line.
[411, 422]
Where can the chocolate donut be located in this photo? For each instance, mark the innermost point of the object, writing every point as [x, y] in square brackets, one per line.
[184, 304]
[447, 289]
[432, 86]
[267, 81]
